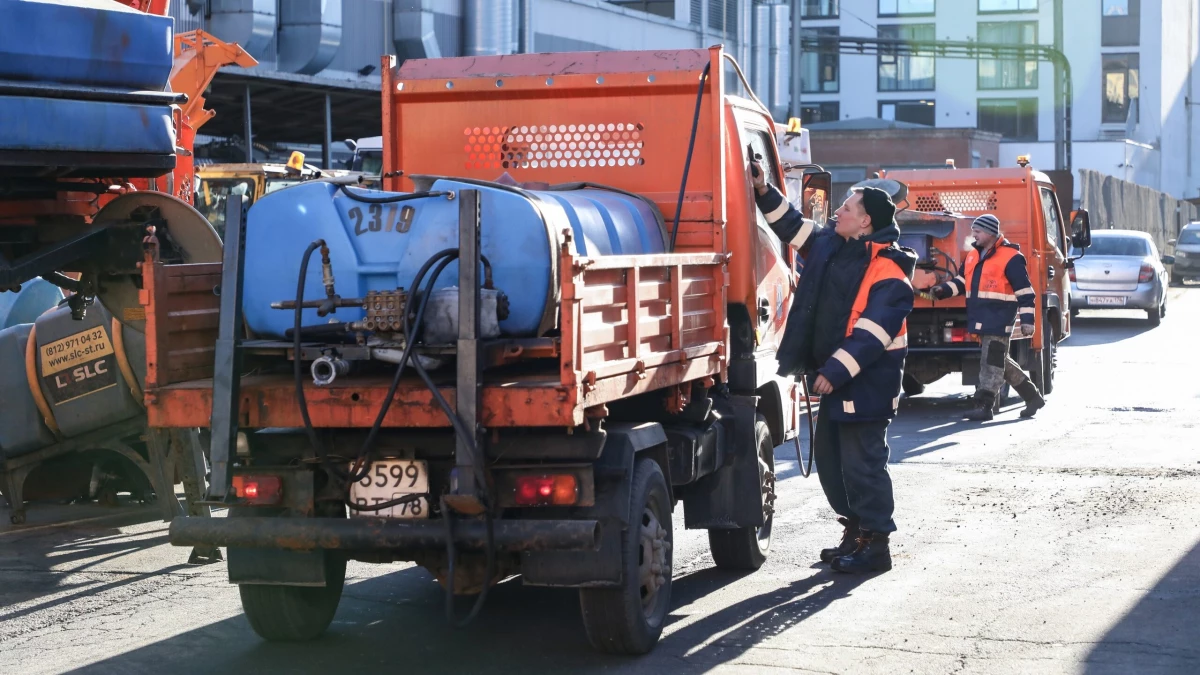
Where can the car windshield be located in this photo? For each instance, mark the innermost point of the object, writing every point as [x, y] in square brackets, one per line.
[1130, 246]
[1190, 236]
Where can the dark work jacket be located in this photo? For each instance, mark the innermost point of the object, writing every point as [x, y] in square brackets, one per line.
[819, 338]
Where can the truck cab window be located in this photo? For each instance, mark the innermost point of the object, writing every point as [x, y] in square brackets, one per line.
[1052, 217]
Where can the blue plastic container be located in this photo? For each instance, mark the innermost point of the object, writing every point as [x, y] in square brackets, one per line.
[85, 42]
[27, 304]
[63, 125]
[381, 247]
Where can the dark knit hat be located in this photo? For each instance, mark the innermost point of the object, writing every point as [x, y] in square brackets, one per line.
[878, 206]
[988, 223]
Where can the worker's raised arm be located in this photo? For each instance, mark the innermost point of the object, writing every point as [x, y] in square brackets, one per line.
[785, 220]
[878, 329]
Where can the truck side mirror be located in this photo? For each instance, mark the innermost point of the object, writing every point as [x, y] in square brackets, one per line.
[818, 186]
[1081, 229]
[1171, 242]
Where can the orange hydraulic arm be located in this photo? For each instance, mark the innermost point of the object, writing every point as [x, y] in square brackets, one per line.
[198, 57]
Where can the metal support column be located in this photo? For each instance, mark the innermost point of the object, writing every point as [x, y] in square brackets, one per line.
[1060, 115]
[247, 130]
[327, 141]
[466, 491]
[227, 362]
[797, 92]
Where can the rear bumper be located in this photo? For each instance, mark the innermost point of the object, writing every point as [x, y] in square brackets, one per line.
[1145, 296]
[373, 534]
[1186, 268]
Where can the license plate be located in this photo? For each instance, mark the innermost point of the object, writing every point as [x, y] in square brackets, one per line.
[1106, 300]
[391, 479]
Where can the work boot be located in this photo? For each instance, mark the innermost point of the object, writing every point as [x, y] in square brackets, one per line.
[986, 402]
[871, 555]
[1032, 397]
[849, 541]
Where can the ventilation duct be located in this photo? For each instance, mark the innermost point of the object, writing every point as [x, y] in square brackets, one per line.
[413, 26]
[249, 23]
[310, 32]
[781, 35]
[489, 27]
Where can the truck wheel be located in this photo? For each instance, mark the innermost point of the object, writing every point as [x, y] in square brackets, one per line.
[746, 548]
[629, 620]
[912, 386]
[294, 613]
[1049, 356]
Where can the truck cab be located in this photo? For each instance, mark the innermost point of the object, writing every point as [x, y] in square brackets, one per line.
[936, 210]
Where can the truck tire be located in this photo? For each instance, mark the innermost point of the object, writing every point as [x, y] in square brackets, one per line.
[912, 386]
[746, 548]
[1043, 366]
[294, 613]
[629, 620]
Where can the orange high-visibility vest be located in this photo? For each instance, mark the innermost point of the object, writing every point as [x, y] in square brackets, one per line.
[993, 282]
[878, 269]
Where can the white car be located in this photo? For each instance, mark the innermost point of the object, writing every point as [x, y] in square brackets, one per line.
[1121, 270]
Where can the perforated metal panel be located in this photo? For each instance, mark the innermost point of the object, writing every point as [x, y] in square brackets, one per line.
[613, 144]
[957, 201]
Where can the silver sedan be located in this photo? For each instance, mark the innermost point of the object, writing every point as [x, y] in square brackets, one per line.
[1121, 270]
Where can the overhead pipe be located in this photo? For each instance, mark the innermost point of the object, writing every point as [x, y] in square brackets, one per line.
[249, 23]
[413, 28]
[489, 27]
[310, 33]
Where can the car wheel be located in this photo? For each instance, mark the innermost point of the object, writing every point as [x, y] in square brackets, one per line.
[1154, 316]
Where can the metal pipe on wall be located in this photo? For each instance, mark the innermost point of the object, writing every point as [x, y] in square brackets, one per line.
[489, 27]
[760, 69]
[781, 35]
[247, 129]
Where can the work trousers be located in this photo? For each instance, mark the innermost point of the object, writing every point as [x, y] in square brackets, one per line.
[996, 366]
[852, 460]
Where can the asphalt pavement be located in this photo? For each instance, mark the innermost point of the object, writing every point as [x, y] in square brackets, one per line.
[1069, 543]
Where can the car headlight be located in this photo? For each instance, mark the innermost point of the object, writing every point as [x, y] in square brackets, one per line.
[1181, 254]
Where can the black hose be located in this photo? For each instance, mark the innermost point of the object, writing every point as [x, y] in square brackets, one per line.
[490, 568]
[361, 464]
[812, 434]
[393, 199]
[297, 364]
[687, 166]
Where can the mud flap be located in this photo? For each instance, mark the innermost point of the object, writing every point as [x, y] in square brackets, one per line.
[602, 567]
[731, 497]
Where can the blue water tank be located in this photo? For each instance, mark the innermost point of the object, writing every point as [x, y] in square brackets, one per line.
[380, 247]
[27, 304]
[89, 42]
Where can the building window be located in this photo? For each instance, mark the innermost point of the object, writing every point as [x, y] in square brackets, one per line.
[812, 113]
[1120, 88]
[915, 112]
[819, 68]
[664, 8]
[907, 7]
[819, 9]
[1121, 23]
[997, 6]
[1008, 74]
[1016, 119]
[906, 73]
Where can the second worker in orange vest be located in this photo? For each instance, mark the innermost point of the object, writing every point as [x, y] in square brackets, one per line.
[995, 280]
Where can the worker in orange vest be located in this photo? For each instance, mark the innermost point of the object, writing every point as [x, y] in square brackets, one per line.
[847, 333]
[995, 280]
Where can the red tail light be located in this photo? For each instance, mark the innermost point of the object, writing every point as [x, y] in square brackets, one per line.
[556, 490]
[1071, 274]
[954, 335]
[1146, 275]
[259, 489]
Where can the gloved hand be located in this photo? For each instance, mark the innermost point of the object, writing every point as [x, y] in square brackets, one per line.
[1027, 329]
[940, 292]
[758, 177]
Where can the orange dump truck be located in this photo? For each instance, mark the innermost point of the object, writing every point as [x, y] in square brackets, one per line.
[558, 323]
[941, 205]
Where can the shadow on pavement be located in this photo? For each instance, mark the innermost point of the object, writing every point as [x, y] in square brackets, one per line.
[394, 623]
[1091, 330]
[1161, 634]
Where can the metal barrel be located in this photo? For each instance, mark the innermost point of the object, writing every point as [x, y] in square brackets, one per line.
[381, 533]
